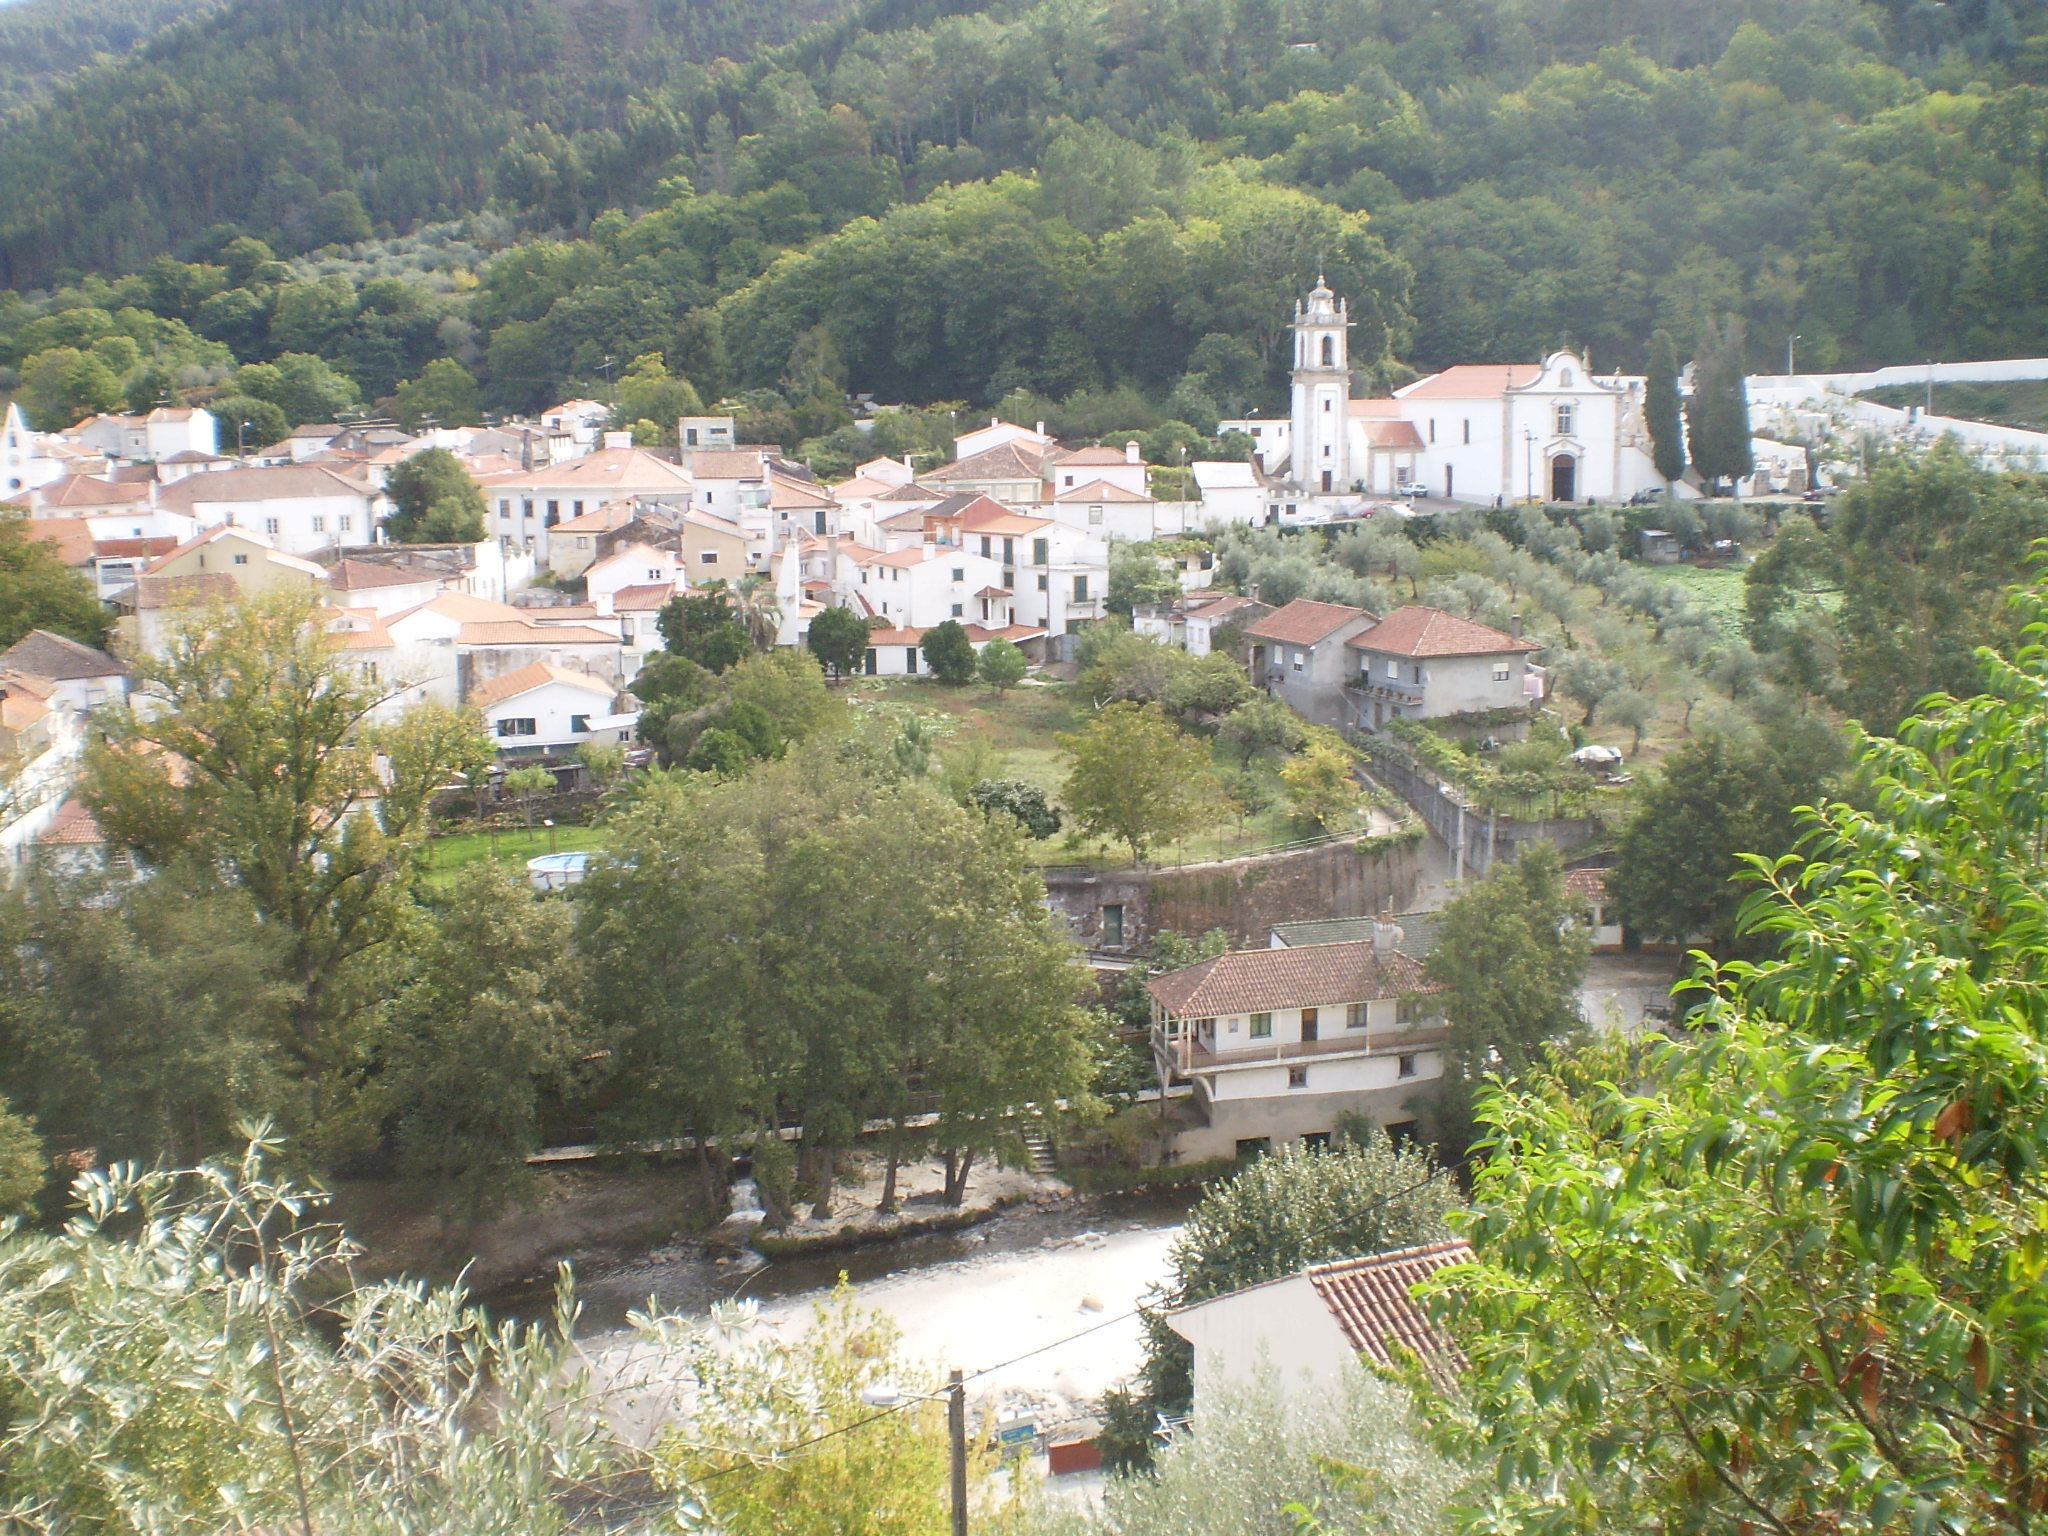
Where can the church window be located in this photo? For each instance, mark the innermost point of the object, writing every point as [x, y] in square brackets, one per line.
[1565, 416]
[1564, 378]
[1329, 351]
[1327, 403]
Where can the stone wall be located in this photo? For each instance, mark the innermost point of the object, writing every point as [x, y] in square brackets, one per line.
[1342, 877]
[1478, 839]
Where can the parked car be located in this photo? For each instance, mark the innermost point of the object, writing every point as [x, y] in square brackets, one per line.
[1822, 493]
[1646, 498]
[1411, 489]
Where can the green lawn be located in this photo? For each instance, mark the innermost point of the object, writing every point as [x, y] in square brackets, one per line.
[445, 855]
[1716, 589]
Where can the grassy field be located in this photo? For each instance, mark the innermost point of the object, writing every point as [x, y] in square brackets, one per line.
[446, 855]
[2019, 403]
[1717, 589]
[1015, 731]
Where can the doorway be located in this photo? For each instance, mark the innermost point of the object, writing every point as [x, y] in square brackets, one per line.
[1308, 1025]
[1564, 478]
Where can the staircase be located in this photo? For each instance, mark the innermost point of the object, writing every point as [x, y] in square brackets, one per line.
[1038, 1146]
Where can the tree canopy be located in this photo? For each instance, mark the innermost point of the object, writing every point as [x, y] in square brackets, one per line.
[39, 591]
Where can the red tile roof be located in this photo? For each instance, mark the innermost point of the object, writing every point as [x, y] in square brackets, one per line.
[1589, 883]
[1424, 632]
[1393, 434]
[1260, 980]
[1374, 1303]
[1303, 622]
[1005, 461]
[75, 826]
[510, 685]
[1473, 381]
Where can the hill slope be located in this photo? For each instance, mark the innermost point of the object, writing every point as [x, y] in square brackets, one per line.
[44, 41]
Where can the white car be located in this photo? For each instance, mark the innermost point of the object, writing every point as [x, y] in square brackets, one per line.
[1412, 489]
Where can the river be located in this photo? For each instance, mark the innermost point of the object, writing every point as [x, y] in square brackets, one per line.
[1019, 1284]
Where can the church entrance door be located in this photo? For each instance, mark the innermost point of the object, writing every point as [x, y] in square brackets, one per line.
[1564, 478]
[1326, 482]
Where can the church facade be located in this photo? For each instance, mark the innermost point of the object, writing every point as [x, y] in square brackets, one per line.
[1482, 433]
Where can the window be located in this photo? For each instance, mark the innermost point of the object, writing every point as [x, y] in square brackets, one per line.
[1262, 1026]
[1356, 1015]
[1405, 1067]
[504, 507]
[525, 507]
[1044, 582]
[959, 573]
[1113, 926]
[956, 610]
[987, 547]
[1432, 429]
[1080, 589]
[1249, 1147]
[1329, 351]
[554, 513]
[1009, 551]
[710, 557]
[1297, 1077]
[1300, 659]
[522, 727]
[1009, 578]
[1327, 403]
[241, 559]
[271, 525]
[1502, 672]
[1316, 1139]
[1565, 413]
[579, 724]
[1418, 672]
[575, 509]
[1039, 551]
[319, 523]
[1564, 378]
[1393, 667]
[1468, 429]
[910, 657]
[341, 524]
[1095, 514]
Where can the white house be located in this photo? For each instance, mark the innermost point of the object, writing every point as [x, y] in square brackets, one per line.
[1230, 491]
[525, 507]
[1279, 1043]
[49, 684]
[1190, 623]
[543, 707]
[300, 508]
[1073, 469]
[1422, 663]
[1107, 510]
[1487, 433]
[635, 565]
[1302, 1332]
[161, 434]
[997, 434]
[927, 584]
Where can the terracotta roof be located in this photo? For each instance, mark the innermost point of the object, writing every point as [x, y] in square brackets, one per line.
[1393, 434]
[154, 592]
[59, 658]
[71, 535]
[1213, 605]
[784, 493]
[129, 549]
[1008, 522]
[730, 463]
[1472, 381]
[356, 631]
[650, 594]
[1100, 454]
[520, 632]
[1425, 632]
[1374, 1304]
[980, 632]
[1005, 461]
[609, 469]
[258, 483]
[356, 575]
[993, 592]
[88, 491]
[1589, 883]
[917, 554]
[913, 492]
[1102, 490]
[1304, 622]
[75, 826]
[613, 514]
[22, 703]
[895, 637]
[1259, 980]
[539, 674]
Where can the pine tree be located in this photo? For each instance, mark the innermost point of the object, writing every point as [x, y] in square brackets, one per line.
[1661, 409]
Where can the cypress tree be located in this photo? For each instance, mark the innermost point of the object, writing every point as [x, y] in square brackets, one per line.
[1661, 409]
[1718, 413]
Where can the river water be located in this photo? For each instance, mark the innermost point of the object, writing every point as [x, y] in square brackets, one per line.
[1055, 1285]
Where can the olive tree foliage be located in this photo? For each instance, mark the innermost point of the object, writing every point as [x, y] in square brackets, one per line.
[190, 1354]
[24, 1165]
[1786, 1277]
[1260, 1460]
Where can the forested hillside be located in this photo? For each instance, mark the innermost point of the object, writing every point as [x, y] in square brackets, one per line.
[934, 202]
[43, 41]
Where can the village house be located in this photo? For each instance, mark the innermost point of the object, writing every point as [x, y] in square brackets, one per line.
[544, 708]
[527, 507]
[49, 686]
[1299, 654]
[1602, 918]
[159, 434]
[1299, 1334]
[300, 508]
[632, 565]
[1280, 1043]
[1421, 663]
[223, 562]
[926, 584]
[1190, 623]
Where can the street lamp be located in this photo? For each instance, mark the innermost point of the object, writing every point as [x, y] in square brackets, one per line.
[884, 1394]
[1529, 463]
[1790, 342]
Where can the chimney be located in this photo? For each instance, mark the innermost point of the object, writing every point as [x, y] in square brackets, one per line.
[1131, 454]
[1386, 935]
[1040, 429]
[1515, 626]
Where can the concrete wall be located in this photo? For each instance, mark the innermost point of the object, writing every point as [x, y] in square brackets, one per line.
[1282, 1331]
[1477, 839]
[1284, 1118]
[1244, 897]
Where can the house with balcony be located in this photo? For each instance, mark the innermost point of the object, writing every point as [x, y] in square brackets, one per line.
[1280, 1043]
[1423, 663]
[1299, 655]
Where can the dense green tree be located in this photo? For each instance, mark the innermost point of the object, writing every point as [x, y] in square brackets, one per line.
[1717, 798]
[446, 394]
[1804, 1297]
[305, 388]
[1509, 956]
[1322, 780]
[39, 591]
[1139, 577]
[1001, 664]
[436, 501]
[24, 1164]
[703, 627]
[949, 653]
[1014, 797]
[1717, 415]
[675, 695]
[248, 422]
[647, 391]
[788, 688]
[1262, 724]
[1662, 409]
[1134, 777]
[838, 637]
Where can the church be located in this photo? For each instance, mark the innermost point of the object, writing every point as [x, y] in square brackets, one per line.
[1484, 433]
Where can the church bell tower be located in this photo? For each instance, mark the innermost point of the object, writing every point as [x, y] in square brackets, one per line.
[1319, 453]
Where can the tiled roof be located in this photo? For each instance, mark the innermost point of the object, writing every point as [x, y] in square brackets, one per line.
[1213, 605]
[75, 826]
[1102, 490]
[1005, 461]
[154, 592]
[520, 632]
[917, 554]
[1472, 381]
[1589, 883]
[1374, 1304]
[1101, 454]
[58, 658]
[649, 594]
[785, 493]
[71, 535]
[133, 549]
[357, 575]
[613, 514]
[1426, 632]
[1418, 932]
[914, 492]
[360, 631]
[608, 470]
[258, 483]
[895, 637]
[1260, 980]
[1393, 434]
[539, 674]
[1304, 622]
[88, 491]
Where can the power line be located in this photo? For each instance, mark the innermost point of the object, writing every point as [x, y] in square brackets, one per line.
[989, 1370]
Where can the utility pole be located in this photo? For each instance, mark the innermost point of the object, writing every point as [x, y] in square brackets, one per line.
[1529, 463]
[956, 1424]
[1790, 342]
